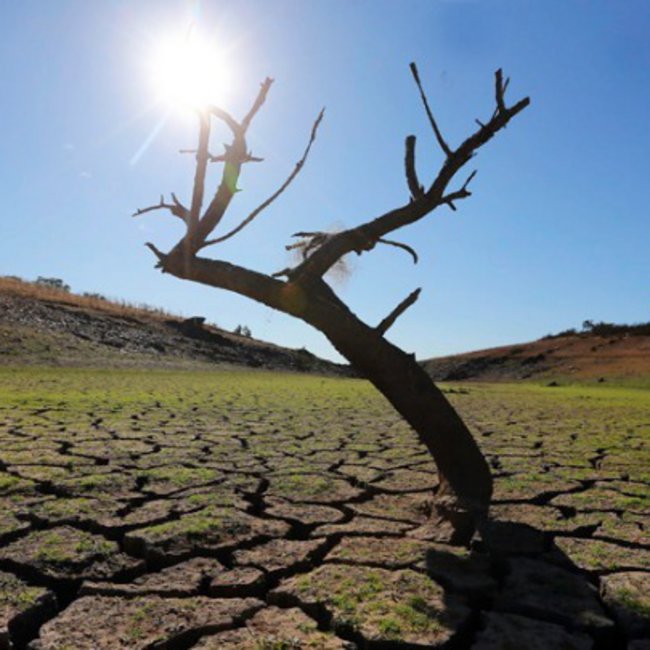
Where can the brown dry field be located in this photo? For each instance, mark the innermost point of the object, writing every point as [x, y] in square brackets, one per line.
[617, 358]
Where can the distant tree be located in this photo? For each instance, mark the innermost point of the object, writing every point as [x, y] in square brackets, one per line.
[53, 283]
[587, 325]
[465, 484]
[243, 330]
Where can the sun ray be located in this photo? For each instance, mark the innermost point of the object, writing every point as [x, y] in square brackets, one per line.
[149, 139]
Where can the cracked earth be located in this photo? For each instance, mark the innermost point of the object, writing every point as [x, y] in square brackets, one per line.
[266, 511]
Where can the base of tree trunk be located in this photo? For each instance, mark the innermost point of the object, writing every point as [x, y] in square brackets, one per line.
[453, 520]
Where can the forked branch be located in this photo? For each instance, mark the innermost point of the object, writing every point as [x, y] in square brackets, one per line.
[176, 208]
[321, 250]
[462, 193]
[299, 165]
[236, 154]
[309, 241]
[364, 236]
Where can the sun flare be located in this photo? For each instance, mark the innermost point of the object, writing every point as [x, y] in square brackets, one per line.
[188, 72]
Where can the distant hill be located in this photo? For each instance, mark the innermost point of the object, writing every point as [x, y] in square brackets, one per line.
[601, 351]
[43, 323]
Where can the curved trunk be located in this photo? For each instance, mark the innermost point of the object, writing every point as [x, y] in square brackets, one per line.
[465, 488]
[463, 495]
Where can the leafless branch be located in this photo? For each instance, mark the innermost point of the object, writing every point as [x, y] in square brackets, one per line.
[385, 324]
[364, 236]
[309, 241]
[176, 208]
[303, 233]
[441, 141]
[276, 194]
[159, 254]
[462, 193]
[278, 274]
[469, 179]
[224, 157]
[404, 247]
[500, 90]
[417, 191]
[236, 154]
[199, 175]
[257, 104]
[225, 117]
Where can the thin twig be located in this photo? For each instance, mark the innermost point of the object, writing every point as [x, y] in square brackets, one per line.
[499, 90]
[259, 100]
[159, 254]
[462, 193]
[223, 157]
[415, 188]
[404, 247]
[226, 157]
[441, 141]
[309, 242]
[469, 179]
[347, 241]
[224, 116]
[276, 194]
[176, 208]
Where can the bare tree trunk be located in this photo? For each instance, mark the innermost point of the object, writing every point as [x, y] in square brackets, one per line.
[465, 489]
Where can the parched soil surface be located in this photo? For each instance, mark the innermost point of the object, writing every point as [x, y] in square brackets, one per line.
[263, 511]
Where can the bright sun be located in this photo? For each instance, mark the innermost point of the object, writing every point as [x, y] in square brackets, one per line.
[189, 73]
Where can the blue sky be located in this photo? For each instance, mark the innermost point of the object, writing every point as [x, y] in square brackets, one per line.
[557, 230]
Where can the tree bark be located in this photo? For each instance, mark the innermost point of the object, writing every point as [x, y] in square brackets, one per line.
[465, 482]
[463, 496]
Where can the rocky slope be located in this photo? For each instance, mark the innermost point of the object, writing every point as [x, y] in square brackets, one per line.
[40, 326]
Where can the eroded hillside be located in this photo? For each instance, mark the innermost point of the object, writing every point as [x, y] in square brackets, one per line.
[42, 326]
[585, 356]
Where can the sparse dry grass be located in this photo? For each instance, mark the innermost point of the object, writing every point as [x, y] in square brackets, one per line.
[33, 290]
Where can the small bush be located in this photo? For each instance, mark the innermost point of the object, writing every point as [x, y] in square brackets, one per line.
[243, 330]
[53, 283]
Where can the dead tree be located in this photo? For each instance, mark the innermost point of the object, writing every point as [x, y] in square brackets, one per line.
[464, 491]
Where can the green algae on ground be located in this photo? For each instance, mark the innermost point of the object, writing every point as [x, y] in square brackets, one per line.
[380, 605]
[178, 464]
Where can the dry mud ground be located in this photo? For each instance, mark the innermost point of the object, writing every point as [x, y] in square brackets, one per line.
[272, 512]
